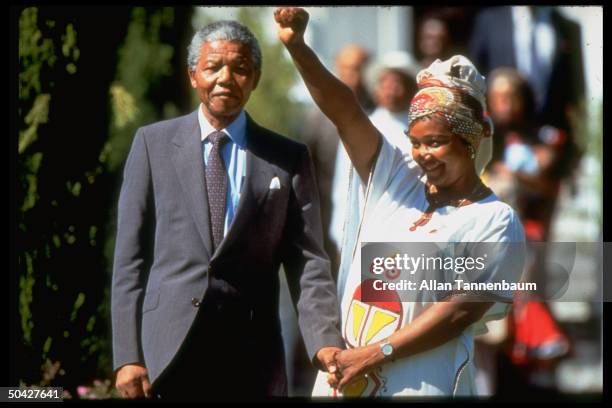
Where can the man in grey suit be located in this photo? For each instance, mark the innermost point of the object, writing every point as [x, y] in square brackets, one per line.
[211, 204]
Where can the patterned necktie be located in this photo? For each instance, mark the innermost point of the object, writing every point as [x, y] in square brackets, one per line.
[216, 186]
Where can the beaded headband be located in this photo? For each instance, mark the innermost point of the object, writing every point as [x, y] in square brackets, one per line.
[448, 103]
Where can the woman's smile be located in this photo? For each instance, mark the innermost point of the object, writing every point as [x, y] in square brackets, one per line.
[433, 170]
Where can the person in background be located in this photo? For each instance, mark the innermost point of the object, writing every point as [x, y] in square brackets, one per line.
[545, 47]
[394, 79]
[526, 172]
[532, 153]
[540, 150]
[351, 63]
[433, 40]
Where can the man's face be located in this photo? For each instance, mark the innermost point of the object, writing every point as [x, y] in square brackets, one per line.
[393, 91]
[433, 38]
[349, 67]
[224, 77]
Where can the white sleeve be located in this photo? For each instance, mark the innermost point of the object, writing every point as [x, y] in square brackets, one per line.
[504, 240]
[392, 169]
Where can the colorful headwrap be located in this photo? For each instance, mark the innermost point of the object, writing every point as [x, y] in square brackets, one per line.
[455, 90]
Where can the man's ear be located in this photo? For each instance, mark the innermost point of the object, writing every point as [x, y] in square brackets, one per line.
[191, 75]
[256, 80]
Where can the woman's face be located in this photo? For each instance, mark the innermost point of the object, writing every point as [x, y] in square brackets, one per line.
[443, 156]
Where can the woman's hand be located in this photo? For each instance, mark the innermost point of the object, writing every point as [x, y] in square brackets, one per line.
[292, 22]
[354, 363]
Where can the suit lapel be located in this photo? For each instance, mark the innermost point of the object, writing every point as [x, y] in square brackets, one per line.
[255, 189]
[188, 160]
[261, 171]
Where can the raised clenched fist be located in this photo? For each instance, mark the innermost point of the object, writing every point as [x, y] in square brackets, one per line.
[292, 22]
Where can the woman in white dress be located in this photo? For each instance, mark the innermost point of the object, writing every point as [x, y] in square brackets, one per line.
[420, 347]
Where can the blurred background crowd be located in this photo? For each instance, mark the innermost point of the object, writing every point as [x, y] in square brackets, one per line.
[85, 87]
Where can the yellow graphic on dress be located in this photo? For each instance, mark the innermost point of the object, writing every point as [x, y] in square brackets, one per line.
[379, 322]
[359, 387]
[358, 313]
[356, 388]
[367, 323]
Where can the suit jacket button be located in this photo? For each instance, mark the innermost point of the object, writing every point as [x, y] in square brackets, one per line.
[195, 302]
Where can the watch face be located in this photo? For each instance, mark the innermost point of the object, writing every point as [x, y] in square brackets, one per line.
[387, 349]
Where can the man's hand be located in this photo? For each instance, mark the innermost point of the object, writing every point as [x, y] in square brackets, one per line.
[133, 382]
[326, 358]
[292, 22]
[353, 363]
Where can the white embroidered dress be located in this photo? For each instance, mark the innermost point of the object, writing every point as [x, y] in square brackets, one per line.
[387, 208]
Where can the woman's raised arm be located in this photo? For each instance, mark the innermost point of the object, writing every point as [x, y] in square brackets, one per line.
[336, 100]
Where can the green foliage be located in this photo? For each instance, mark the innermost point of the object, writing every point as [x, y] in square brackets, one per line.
[26, 283]
[70, 50]
[53, 240]
[35, 52]
[38, 115]
[144, 61]
[31, 165]
[270, 104]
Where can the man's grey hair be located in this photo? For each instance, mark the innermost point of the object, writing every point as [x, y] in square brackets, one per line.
[225, 30]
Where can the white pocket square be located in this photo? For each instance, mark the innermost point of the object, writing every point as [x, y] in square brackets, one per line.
[275, 184]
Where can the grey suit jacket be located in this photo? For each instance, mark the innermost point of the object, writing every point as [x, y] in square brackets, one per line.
[163, 258]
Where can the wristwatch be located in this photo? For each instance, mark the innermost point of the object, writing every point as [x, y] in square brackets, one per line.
[387, 349]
